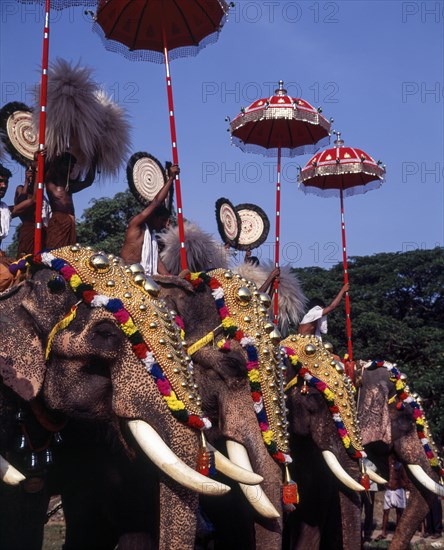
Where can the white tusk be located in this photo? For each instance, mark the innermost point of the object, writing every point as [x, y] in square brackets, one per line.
[254, 493]
[375, 477]
[340, 473]
[163, 457]
[8, 474]
[232, 470]
[426, 480]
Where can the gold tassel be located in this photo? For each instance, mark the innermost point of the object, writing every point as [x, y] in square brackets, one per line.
[66, 321]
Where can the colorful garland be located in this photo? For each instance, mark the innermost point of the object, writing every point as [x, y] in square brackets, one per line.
[329, 398]
[90, 297]
[231, 331]
[418, 414]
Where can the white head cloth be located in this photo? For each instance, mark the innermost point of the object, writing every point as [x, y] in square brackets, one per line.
[315, 314]
[150, 252]
[5, 220]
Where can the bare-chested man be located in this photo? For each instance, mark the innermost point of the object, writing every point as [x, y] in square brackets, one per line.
[140, 245]
[60, 188]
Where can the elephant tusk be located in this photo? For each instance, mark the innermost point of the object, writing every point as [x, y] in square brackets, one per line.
[8, 474]
[232, 470]
[340, 473]
[426, 480]
[163, 457]
[253, 493]
[375, 477]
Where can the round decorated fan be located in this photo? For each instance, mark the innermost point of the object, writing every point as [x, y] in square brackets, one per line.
[146, 176]
[255, 226]
[18, 133]
[228, 222]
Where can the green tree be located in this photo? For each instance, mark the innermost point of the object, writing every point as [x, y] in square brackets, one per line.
[103, 224]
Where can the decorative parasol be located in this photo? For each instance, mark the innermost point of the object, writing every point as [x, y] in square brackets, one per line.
[342, 172]
[58, 5]
[150, 30]
[18, 133]
[228, 222]
[276, 126]
[255, 226]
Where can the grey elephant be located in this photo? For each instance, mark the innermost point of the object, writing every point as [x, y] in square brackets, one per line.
[240, 376]
[85, 338]
[327, 449]
[392, 421]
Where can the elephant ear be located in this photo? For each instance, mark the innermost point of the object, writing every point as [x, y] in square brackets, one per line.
[374, 415]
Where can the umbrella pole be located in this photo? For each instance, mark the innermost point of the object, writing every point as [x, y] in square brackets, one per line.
[347, 297]
[42, 131]
[277, 245]
[183, 254]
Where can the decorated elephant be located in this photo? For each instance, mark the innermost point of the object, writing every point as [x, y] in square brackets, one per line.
[392, 421]
[240, 376]
[325, 440]
[85, 338]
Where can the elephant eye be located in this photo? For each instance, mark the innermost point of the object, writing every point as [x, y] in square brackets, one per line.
[56, 283]
[108, 334]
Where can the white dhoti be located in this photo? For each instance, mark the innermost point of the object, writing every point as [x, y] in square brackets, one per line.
[394, 499]
[150, 252]
[315, 314]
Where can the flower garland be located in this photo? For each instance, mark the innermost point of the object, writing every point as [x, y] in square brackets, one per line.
[90, 297]
[329, 398]
[418, 414]
[231, 331]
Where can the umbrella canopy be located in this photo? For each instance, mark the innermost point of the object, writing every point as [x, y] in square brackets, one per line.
[154, 30]
[342, 172]
[341, 168]
[280, 122]
[141, 30]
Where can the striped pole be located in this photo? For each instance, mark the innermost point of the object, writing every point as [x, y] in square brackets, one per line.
[277, 246]
[42, 131]
[183, 254]
[347, 297]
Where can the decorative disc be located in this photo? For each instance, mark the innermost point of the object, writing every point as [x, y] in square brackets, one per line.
[255, 226]
[146, 177]
[228, 222]
[18, 132]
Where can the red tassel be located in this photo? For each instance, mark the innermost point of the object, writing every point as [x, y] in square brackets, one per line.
[365, 482]
[290, 495]
[203, 462]
[304, 389]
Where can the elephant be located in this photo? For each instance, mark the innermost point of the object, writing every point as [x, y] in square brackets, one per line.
[392, 422]
[324, 439]
[76, 341]
[225, 383]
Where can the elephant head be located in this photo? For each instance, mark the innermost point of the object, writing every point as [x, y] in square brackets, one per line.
[88, 338]
[238, 368]
[392, 421]
[323, 425]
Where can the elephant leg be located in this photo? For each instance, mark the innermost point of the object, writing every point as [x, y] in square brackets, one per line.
[178, 513]
[415, 511]
[351, 520]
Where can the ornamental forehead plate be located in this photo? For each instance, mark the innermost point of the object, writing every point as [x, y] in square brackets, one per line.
[139, 296]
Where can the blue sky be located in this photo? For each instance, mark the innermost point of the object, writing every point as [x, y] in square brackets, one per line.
[376, 67]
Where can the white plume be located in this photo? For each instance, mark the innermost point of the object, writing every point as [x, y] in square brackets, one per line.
[74, 115]
[292, 301]
[114, 145]
[203, 251]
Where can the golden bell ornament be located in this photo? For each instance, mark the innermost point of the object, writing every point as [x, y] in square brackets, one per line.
[136, 268]
[244, 295]
[151, 287]
[310, 349]
[265, 299]
[275, 336]
[328, 346]
[139, 279]
[99, 262]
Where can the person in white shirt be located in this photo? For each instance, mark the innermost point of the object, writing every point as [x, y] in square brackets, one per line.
[314, 322]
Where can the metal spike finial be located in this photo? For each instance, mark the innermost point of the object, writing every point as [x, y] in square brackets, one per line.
[281, 90]
[338, 141]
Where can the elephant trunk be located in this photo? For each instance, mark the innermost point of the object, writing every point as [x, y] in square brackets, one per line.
[351, 520]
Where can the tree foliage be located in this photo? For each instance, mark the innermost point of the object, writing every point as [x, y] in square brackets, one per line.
[397, 314]
[103, 224]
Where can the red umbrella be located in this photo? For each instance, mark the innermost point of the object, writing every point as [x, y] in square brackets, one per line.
[157, 31]
[342, 172]
[58, 5]
[276, 126]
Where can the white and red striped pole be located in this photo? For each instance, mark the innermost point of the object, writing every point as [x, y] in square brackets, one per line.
[183, 254]
[278, 236]
[42, 130]
[347, 297]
